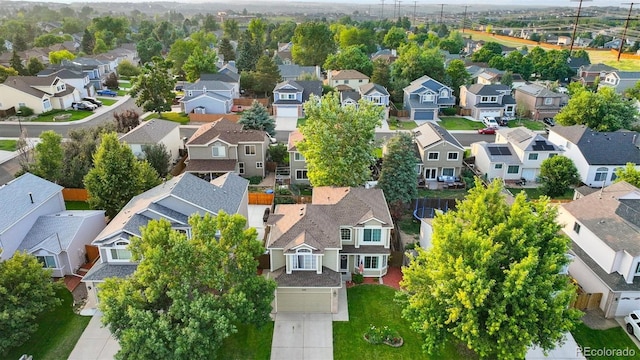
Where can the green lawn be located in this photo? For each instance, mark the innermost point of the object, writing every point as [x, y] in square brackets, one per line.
[375, 305]
[122, 92]
[395, 124]
[377, 153]
[459, 123]
[409, 224]
[57, 334]
[614, 338]
[248, 343]
[124, 84]
[442, 194]
[76, 205]
[301, 122]
[75, 115]
[529, 124]
[107, 102]
[9, 145]
[535, 193]
[181, 118]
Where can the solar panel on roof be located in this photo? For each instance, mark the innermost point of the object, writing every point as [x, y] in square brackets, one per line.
[499, 150]
[542, 145]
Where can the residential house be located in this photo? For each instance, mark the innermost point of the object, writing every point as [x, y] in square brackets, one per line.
[613, 44]
[289, 96]
[313, 247]
[75, 78]
[491, 76]
[282, 55]
[605, 245]
[375, 93]
[154, 132]
[346, 80]
[597, 155]
[223, 146]
[590, 73]
[487, 100]
[38, 224]
[226, 74]
[41, 94]
[539, 102]
[295, 72]
[424, 97]
[516, 153]
[96, 69]
[620, 81]
[386, 55]
[175, 200]
[576, 63]
[440, 153]
[297, 162]
[209, 97]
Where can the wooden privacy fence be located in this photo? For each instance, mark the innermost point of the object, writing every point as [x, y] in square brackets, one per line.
[260, 199]
[587, 301]
[207, 118]
[70, 194]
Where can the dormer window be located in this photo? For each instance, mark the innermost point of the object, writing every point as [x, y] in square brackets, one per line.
[119, 252]
[372, 235]
[444, 93]
[304, 260]
[428, 98]
[287, 96]
[345, 234]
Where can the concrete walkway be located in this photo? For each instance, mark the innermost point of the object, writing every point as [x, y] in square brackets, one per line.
[302, 336]
[95, 343]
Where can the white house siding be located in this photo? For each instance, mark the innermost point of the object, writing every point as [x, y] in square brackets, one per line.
[91, 227]
[136, 149]
[588, 280]
[426, 234]
[572, 152]
[277, 259]
[173, 142]
[10, 97]
[626, 265]
[331, 259]
[206, 152]
[600, 252]
[590, 176]
[211, 106]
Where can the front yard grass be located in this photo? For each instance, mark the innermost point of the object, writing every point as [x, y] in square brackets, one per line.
[9, 145]
[124, 84]
[249, 342]
[442, 194]
[395, 124]
[107, 102]
[57, 334]
[409, 224]
[614, 338]
[529, 124]
[375, 305]
[301, 121]
[75, 115]
[535, 193]
[459, 123]
[181, 118]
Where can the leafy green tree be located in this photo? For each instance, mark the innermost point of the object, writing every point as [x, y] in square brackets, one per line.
[192, 293]
[5, 72]
[204, 40]
[266, 76]
[491, 278]
[126, 68]
[200, 62]
[381, 73]
[312, 43]
[126, 120]
[26, 291]
[148, 49]
[248, 52]
[34, 66]
[257, 118]
[339, 140]
[158, 158]
[48, 40]
[398, 178]
[226, 50]
[153, 88]
[210, 24]
[111, 30]
[456, 76]
[557, 175]
[454, 43]
[282, 33]
[414, 62]
[507, 78]
[604, 110]
[49, 157]
[56, 57]
[116, 176]
[354, 36]
[488, 51]
[629, 174]
[16, 63]
[351, 58]
[101, 47]
[279, 154]
[395, 37]
[633, 92]
[78, 153]
[231, 29]
[164, 33]
[179, 53]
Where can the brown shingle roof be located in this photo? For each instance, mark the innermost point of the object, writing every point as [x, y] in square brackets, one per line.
[211, 166]
[294, 138]
[226, 131]
[27, 85]
[347, 75]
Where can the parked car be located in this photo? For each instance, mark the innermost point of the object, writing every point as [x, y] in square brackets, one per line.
[92, 100]
[107, 92]
[549, 121]
[487, 131]
[490, 122]
[179, 87]
[502, 121]
[83, 105]
[633, 323]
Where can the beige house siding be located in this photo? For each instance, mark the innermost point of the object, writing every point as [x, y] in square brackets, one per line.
[443, 149]
[296, 165]
[250, 161]
[10, 97]
[277, 259]
[206, 152]
[331, 260]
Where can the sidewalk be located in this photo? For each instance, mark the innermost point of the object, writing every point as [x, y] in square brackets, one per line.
[10, 155]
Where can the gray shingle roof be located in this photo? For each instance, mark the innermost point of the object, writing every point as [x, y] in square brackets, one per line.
[292, 70]
[15, 196]
[371, 87]
[227, 131]
[99, 272]
[279, 87]
[429, 133]
[538, 91]
[149, 132]
[328, 278]
[614, 280]
[353, 95]
[55, 232]
[619, 145]
[488, 90]
[210, 85]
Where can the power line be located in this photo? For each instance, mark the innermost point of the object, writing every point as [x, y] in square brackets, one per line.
[441, 12]
[624, 33]
[381, 10]
[464, 19]
[415, 4]
[575, 25]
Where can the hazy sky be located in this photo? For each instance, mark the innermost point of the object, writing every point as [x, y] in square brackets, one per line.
[404, 3]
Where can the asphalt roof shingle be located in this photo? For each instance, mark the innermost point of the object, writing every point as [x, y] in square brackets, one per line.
[602, 148]
[149, 132]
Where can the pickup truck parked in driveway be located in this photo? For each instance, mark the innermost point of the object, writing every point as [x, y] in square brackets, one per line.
[107, 92]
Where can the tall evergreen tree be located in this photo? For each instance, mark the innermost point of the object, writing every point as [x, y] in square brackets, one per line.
[34, 66]
[398, 178]
[248, 52]
[226, 50]
[88, 42]
[16, 63]
[257, 118]
[266, 76]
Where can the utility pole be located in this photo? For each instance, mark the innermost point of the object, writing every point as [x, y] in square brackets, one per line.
[381, 10]
[575, 25]
[399, 1]
[394, 8]
[626, 25]
[415, 4]
[464, 18]
[441, 13]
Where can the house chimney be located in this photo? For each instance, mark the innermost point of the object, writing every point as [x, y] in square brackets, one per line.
[31, 197]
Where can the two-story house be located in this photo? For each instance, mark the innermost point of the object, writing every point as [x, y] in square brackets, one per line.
[620, 81]
[96, 69]
[175, 200]
[487, 100]
[346, 80]
[38, 224]
[289, 96]
[597, 155]
[516, 153]
[375, 93]
[424, 98]
[440, 153]
[539, 102]
[295, 72]
[209, 97]
[75, 78]
[152, 132]
[604, 228]
[297, 162]
[223, 146]
[41, 94]
[590, 73]
[311, 246]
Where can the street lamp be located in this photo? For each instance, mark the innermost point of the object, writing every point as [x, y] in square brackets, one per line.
[19, 113]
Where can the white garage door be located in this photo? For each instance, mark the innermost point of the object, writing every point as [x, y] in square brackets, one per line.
[287, 111]
[299, 300]
[529, 174]
[489, 113]
[627, 302]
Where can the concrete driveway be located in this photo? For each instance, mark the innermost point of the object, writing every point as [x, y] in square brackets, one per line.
[95, 343]
[302, 336]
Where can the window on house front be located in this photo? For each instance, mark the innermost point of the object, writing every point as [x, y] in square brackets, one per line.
[601, 174]
[241, 168]
[433, 156]
[452, 156]
[360, 80]
[494, 99]
[552, 155]
[298, 157]
[448, 171]
[497, 166]
[533, 156]
[614, 175]
[120, 251]
[371, 262]
[250, 150]
[444, 93]
[576, 227]
[513, 169]
[218, 151]
[304, 260]
[301, 174]
[291, 96]
[47, 261]
[372, 235]
[484, 99]
[346, 81]
[345, 234]
[548, 101]
[259, 165]
[428, 97]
